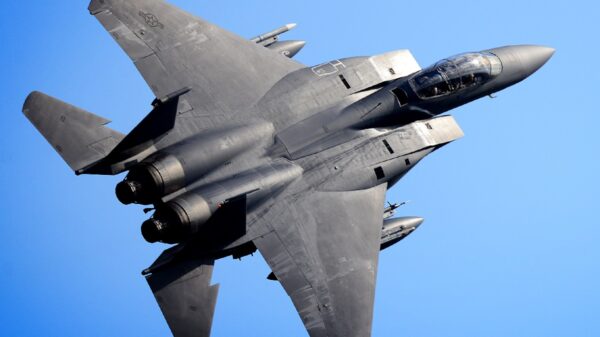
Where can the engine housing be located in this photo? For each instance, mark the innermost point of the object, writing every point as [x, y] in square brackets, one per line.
[181, 164]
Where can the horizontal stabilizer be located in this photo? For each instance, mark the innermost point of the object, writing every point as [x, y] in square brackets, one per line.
[185, 295]
[80, 137]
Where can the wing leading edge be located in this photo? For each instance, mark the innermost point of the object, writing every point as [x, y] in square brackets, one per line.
[324, 247]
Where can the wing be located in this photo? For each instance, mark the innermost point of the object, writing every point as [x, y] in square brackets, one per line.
[323, 247]
[174, 50]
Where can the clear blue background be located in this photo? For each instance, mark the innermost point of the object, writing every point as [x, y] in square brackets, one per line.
[510, 242]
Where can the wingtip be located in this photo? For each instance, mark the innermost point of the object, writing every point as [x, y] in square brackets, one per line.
[291, 26]
[96, 6]
[29, 101]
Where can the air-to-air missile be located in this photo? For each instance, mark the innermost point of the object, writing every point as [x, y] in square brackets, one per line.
[390, 210]
[271, 40]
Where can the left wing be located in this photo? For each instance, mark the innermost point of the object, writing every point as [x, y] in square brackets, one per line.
[324, 247]
[174, 50]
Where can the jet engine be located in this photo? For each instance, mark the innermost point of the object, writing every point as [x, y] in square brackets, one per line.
[183, 163]
[189, 213]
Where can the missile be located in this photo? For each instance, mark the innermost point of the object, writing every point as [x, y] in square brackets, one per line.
[389, 211]
[394, 230]
[271, 37]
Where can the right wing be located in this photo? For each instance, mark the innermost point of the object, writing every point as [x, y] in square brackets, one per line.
[174, 50]
[323, 247]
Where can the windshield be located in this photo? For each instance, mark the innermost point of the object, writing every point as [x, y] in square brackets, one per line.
[455, 73]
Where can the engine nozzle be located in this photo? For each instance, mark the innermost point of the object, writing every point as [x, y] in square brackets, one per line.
[128, 191]
[186, 161]
[144, 185]
[189, 214]
[167, 225]
[153, 230]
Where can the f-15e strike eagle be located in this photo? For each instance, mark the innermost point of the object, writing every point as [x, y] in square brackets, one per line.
[246, 149]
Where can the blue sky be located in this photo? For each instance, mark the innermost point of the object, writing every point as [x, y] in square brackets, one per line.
[510, 242]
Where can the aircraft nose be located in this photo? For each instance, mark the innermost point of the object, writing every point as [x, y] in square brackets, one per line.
[534, 57]
[519, 62]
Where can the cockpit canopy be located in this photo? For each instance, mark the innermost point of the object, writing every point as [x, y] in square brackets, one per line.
[456, 73]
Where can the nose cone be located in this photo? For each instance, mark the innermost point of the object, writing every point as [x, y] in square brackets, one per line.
[519, 62]
[415, 222]
[534, 57]
[402, 223]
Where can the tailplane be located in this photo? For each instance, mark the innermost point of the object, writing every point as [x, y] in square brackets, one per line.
[80, 137]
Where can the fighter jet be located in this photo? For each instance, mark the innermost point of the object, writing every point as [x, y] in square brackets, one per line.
[246, 149]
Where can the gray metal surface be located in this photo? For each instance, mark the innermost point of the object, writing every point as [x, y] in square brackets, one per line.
[287, 48]
[80, 137]
[185, 295]
[173, 50]
[324, 249]
[246, 149]
[395, 230]
[272, 36]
